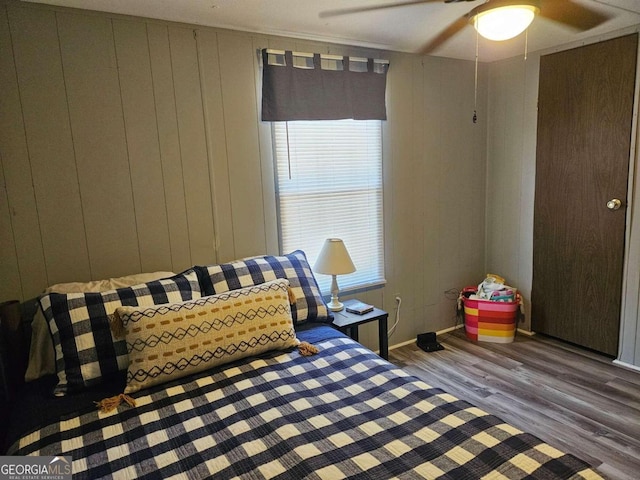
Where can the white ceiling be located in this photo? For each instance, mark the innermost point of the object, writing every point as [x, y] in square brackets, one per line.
[405, 29]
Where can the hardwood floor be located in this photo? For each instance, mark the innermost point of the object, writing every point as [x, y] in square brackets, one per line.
[573, 399]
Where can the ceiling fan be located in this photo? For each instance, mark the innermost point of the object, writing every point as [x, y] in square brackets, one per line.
[520, 13]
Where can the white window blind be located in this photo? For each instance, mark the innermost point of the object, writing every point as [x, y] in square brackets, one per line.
[329, 184]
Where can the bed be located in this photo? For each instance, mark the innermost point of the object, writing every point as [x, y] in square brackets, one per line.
[306, 403]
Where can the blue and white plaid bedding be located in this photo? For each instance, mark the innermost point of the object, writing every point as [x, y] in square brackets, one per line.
[344, 413]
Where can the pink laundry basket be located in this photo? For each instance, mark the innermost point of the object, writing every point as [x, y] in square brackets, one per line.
[490, 321]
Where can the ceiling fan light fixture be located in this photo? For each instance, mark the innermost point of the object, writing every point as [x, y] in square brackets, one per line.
[504, 22]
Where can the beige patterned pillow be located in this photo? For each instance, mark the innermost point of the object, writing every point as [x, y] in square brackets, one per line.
[169, 341]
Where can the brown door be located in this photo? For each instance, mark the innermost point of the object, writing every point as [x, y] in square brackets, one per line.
[585, 109]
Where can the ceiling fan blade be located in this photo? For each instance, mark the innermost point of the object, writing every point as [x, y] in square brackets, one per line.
[445, 35]
[572, 14]
[369, 8]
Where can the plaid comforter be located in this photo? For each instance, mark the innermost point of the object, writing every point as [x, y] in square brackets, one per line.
[344, 413]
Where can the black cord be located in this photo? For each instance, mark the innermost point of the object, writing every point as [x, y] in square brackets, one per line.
[454, 294]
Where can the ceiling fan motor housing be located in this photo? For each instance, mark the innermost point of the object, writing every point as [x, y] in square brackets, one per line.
[493, 4]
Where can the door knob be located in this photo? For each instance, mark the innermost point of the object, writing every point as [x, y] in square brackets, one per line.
[614, 204]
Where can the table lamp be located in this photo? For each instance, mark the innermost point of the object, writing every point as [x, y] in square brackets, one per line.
[334, 260]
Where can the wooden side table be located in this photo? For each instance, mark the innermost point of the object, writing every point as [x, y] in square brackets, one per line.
[348, 323]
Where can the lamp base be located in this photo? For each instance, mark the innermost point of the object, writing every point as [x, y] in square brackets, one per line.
[335, 306]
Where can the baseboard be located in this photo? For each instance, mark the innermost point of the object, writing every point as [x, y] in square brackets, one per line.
[526, 332]
[627, 365]
[439, 332]
[451, 329]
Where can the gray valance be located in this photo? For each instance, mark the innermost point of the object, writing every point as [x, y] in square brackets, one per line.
[311, 92]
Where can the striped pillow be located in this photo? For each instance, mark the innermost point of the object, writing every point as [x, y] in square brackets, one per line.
[85, 349]
[309, 305]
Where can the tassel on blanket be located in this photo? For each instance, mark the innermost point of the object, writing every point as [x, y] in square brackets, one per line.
[116, 324]
[292, 296]
[306, 349]
[107, 404]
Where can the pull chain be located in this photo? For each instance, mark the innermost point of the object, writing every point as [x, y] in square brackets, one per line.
[475, 86]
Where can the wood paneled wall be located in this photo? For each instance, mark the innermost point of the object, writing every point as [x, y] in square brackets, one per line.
[112, 176]
[129, 145]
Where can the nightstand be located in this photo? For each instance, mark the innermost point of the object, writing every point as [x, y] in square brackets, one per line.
[348, 323]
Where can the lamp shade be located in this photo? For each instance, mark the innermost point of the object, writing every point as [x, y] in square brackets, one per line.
[504, 22]
[334, 258]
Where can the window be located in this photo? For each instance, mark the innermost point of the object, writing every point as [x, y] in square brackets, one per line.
[329, 184]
